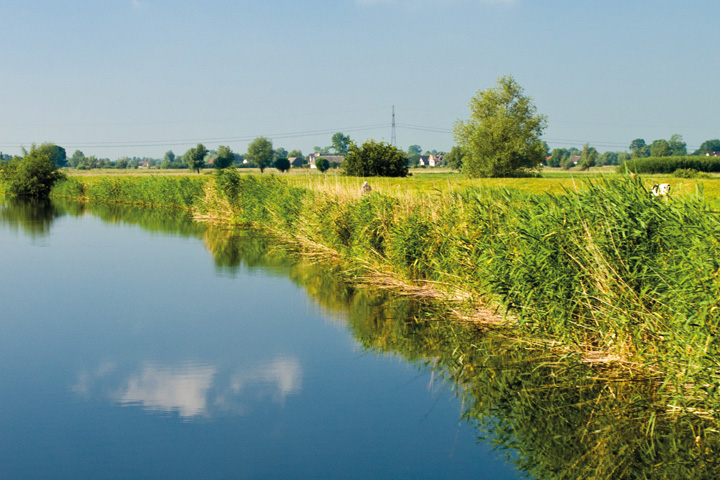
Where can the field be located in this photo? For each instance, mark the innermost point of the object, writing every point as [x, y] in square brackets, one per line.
[552, 180]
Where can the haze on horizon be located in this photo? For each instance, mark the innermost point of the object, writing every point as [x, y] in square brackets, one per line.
[141, 77]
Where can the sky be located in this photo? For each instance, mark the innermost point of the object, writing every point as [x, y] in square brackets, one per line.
[116, 78]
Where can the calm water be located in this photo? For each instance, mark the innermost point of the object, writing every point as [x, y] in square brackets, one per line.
[168, 351]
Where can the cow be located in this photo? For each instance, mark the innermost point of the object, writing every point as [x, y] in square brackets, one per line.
[660, 190]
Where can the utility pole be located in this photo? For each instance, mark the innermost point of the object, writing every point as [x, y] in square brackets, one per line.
[392, 137]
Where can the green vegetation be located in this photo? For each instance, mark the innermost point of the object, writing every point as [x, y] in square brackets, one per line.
[172, 192]
[260, 151]
[502, 136]
[33, 175]
[322, 164]
[195, 157]
[375, 159]
[605, 268]
[562, 417]
[668, 165]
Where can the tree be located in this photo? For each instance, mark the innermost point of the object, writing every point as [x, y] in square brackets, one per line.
[502, 136]
[260, 151]
[282, 164]
[678, 147]
[195, 157]
[169, 157]
[340, 144]
[322, 164]
[557, 157]
[414, 153]
[659, 148]
[56, 154]
[639, 149]
[588, 158]
[454, 158]
[375, 160]
[31, 176]
[708, 146]
[225, 157]
[76, 158]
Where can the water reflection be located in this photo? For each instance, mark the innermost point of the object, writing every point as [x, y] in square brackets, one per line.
[30, 216]
[193, 390]
[562, 418]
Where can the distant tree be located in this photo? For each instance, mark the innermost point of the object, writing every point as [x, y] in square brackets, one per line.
[322, 164]
[708, 146]
[678, 147]
[225, 157]
[56, 153]
[659, 148]
[31, 176]
[169, 157]
[557, 157]
[261, 152]
[608, 158]
[454, 158]
[77, 156]
[340, 144]
[375, 159]
[588, 158]
[122, 162]
[282, 164]
[502, 136]
[195, 157]
[414, 153]
[639, 149]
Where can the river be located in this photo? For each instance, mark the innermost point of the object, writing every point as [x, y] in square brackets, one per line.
[136, 344]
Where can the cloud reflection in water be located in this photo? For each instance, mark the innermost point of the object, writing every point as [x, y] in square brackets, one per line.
[194, 390]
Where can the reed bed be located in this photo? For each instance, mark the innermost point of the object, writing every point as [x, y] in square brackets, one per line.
[173, 192]
[601, 266]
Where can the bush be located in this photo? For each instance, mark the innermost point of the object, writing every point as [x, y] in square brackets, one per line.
[375, 160]
[689, 173]
[32, 176]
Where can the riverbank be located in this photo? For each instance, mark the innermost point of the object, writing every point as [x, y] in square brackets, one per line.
[606, 270]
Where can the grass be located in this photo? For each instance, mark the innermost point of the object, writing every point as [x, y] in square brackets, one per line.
[594, 262]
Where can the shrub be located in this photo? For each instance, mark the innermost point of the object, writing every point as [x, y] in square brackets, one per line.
[32, 176]
[375, 160]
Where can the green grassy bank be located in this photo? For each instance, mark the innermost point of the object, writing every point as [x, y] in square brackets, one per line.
[605, 268]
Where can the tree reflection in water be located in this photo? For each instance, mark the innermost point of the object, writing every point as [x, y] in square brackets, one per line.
[556, 416]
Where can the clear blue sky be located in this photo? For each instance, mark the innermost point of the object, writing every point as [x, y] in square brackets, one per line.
[140, 77]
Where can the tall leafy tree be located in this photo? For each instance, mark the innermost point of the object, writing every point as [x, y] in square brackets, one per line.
[340, 143]
[678, 147]
[454, 158]
[261, 152]
[195, 157]
[708, 146]
[375, 159]
[169, 157]
[225, 157]
[639, 149]
[56, 153]
[414, 153]
[502, 136]
[589, 157]
[659, 148]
